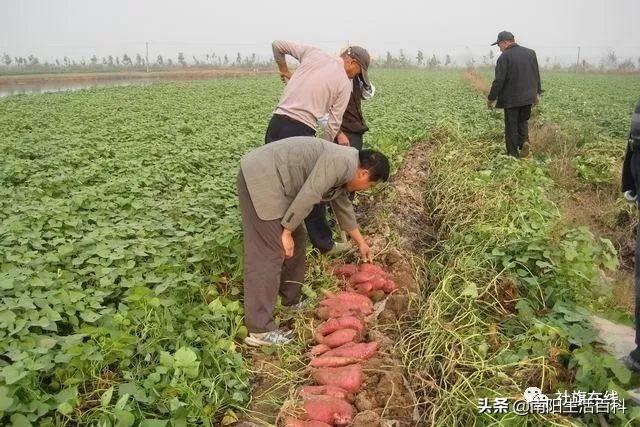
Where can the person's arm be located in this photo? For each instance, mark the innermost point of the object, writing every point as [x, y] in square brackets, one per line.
[535, 63]
[343, 209]
[281, 48]
[337, 111]
[499, 80]
[326, 173]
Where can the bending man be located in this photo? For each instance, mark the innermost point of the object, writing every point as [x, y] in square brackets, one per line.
[278, 185]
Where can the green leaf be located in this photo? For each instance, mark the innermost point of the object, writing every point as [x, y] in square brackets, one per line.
[471, 290]
[5, 400]
[185, 357]
[124, 418]
[617, 367]
[153, 423]
[13, 373]
[19, 420]
[65, 408]
[229, 418]
[105, 399]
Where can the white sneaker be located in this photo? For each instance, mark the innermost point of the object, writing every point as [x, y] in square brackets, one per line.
[277, 337]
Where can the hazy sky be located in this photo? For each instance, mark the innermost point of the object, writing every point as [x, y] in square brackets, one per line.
[77, 28]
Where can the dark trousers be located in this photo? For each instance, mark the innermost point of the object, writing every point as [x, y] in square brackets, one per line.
[281, 127]
[516, 128]
[266, 271]
[318, 227]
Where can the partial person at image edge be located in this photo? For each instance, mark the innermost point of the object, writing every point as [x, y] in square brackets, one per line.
[631, 189]
[515, 88]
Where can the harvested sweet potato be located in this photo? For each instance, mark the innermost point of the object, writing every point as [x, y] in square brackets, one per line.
[364, 288]
[325, 390]
[332, 361]
[360, 351]
[348, 378]
[346, 297]
[295, 422]
[361, 277]
[327, 409]
[373, 269]
[333, 325]
[390, 286]
[345, 271]
[340, 337]
[319, 349]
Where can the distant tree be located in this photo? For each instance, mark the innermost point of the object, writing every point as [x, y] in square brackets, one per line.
[433, 62]
[126, 60]
[170, 62]
[213, 57]
[485, 60]
[67, 61]
[226, 59]
[83, 62]
[160, 60]
[627, 65]
[402, 59]
[389, 60]
[238, 59]
[181, 60]
[139, 60]
[420, 58]
[207, 57]
[110, 60]
[94, 60]
[491, 56]
[253, 59]
[117, 61]
[6, 59]
[610, 60]
[195, 60]
[57, 62]
[447, 60]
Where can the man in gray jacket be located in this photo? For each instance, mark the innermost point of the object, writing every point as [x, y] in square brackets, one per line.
[278, 185]
[516, 88]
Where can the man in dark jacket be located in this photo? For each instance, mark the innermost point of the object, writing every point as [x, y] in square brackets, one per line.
[631, 189]
[516, 88]
[353, 125]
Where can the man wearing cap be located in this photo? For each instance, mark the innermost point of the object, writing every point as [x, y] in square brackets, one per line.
[516, 88]
[320, 86]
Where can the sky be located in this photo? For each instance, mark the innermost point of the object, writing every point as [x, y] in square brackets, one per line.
[80, 28]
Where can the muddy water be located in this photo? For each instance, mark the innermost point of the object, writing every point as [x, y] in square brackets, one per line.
[67, 86]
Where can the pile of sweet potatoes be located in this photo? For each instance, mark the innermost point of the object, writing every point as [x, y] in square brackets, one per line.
[336, 359]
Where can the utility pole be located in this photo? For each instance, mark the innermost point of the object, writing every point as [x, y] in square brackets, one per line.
[147, 57]
[578, 60]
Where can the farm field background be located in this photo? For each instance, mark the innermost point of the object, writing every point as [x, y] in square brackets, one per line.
[120, 240]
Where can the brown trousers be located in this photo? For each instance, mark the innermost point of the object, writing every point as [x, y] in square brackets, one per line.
[266, 271]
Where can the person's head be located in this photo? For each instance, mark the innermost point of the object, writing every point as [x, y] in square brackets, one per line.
[356, 61]
[373, 167]
[505, 39]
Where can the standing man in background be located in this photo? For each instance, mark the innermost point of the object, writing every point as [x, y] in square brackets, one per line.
[320, 86]
[631, 189]
[516, 88]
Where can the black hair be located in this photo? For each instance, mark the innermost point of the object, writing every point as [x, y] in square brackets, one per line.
[376, 163]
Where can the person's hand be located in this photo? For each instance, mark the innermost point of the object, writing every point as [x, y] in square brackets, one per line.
[287, 243]
[365, 252]
[342, 139]
[537, 100]
[491, 104]
[285, 76]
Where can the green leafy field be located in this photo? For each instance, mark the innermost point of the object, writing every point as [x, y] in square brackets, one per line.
[120, 237]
